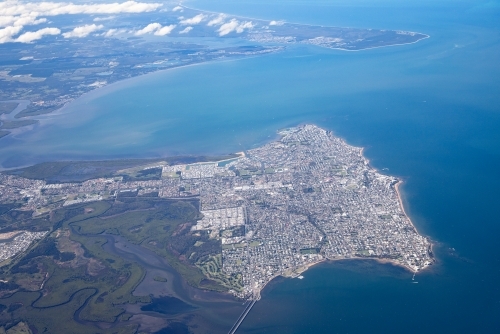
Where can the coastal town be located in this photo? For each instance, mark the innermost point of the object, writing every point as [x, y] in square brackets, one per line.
[277, 209]
[12, 243]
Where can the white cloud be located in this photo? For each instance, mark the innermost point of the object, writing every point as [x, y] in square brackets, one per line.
[243, 26]
[186, 30]
[165, 30]
[226, 28]
[13, 25]
[177, 8]
[276, 23]
[82, 31]
[234, 25]
[15, 15]
[217, 21]
[110, 33]
[31, 36]
[152, 27]
[11, 7]
[7, 33]
[106, 18]
[113, 32]
[194, 20]
[156, 28]
[22, 20]
[6, 21]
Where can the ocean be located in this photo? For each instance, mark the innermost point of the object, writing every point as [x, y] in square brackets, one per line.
[428, 113]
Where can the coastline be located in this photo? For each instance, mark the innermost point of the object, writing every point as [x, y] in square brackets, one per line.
[425, 36]
[44, 117]
[305, 268]
[400, 202]
[301, 24]
[400, 105]
[400, 199]
[115, 85]
[295, 273]
[379, 47]
[108, 88]
[255, 293]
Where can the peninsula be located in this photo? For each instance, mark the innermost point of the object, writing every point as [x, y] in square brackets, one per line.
[274, 210]
[52, 71]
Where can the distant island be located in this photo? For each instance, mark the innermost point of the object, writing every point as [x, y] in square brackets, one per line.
[51, 72]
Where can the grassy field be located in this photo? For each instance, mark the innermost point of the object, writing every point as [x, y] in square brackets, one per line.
[69, 274]
[52, 319]
[7, 107]
[211, 266]
[155, 229]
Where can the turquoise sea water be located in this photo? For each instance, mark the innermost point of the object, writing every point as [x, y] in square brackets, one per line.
[429, 112]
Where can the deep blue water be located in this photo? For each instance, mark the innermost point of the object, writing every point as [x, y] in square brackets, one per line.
[429, 112]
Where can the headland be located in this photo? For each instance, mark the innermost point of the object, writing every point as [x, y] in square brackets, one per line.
[274, 210]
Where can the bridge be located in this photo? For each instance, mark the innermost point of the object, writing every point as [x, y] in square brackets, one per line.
[242, 316]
